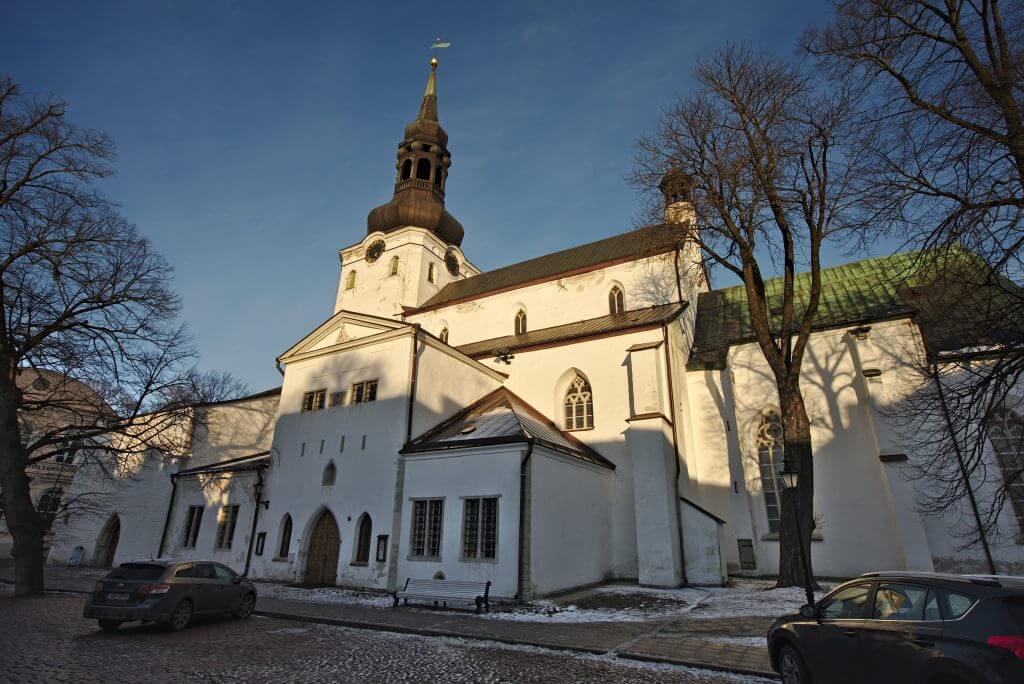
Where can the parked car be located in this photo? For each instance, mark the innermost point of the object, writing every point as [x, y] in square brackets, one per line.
[169, 593]
[906, 627]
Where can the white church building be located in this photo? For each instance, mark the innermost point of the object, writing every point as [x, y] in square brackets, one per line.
[591, 415]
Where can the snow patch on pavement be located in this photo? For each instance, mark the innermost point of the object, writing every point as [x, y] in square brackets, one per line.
[329, 595]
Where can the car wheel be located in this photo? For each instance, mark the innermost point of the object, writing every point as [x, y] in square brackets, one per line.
[246, 607]
[109, 625]
[792, 667]
[181, 616]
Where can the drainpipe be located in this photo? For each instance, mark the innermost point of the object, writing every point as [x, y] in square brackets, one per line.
[963, 469]
[413, 372]
[522, 517]
[396, 514]
[679, 283]
[258, 491]
[675, 448]
[167, 519]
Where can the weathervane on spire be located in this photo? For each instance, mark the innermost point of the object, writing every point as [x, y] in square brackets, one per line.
[438, 45]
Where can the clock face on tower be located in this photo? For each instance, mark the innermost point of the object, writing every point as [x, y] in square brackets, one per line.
[451, 260]
[374, 251]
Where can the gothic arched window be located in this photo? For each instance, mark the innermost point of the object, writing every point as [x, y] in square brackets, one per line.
[770, 453]
[365, 530]
[431, 273]
[330, 475]
[285, 542]
[521, 322]
[393, 268]
[406, 169]
[579, 405]
[444, 335]
[1005, 429]
[616, 300]
[423, 169]
[49, 502]
[350, 282]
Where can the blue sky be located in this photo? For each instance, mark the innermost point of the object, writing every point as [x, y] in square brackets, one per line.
[254, 137]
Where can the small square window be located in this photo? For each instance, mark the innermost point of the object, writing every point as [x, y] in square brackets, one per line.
[337, 398]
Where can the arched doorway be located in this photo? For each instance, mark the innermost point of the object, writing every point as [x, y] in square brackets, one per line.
[106, 545]
[322, 554]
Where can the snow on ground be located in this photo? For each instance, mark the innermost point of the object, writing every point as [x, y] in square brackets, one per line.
[335, 595]
[740, 640]
[750, 598]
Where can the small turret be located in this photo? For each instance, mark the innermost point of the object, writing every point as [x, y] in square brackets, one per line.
[677, 189]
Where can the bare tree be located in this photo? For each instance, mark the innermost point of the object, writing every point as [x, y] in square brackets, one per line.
[942, 83]
[770, 161]
[90, 352]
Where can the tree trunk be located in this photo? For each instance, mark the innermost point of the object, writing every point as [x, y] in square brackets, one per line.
[25, 524]
[797, 438]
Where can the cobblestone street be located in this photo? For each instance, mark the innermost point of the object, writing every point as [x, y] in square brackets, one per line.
[46, 640]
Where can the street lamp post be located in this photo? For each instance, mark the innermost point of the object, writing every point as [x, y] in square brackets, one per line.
[790, 478]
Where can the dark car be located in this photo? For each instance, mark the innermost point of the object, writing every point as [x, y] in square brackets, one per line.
[169, 593]
[906, 627]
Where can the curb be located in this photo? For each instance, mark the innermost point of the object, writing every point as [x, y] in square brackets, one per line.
[427, 632]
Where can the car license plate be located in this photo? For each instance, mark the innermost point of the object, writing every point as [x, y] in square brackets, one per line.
[118, 596]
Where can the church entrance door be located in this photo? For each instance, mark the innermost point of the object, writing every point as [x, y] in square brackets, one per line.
[106, 545]
[324, 547]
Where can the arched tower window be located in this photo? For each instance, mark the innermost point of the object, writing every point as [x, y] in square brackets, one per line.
[423, 169]
[431, 273]
[363, 534]
[444, 335]
[393, 268]
[406, 169]
[438, 175]
[1005, 429]
[350, 281]
[616, 300]
[770, 452]
[521, 322]
[330, 475]
[284, 544]
[49, 502]
[579, 405]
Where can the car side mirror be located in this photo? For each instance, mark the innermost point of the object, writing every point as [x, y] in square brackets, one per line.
[808, 611]
[237, 579]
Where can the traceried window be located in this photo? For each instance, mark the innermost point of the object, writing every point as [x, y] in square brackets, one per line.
[49, 502]
[616, 300]
[226, 526]
[192, 523]
[284, 544]
[427, 517]
[431, 272]
[520, 322]
[363, 537]
[363, 392]
[444, 335]
[314, 400]
[330, 475]
[770, 453]
[579, 405]
[480, 528]
[393, 268]
[1006, 432]
[350, 281]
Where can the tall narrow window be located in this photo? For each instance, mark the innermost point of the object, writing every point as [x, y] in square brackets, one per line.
[427, 516]
[480, 528]
[616, 300]
[406, 169]
[49, 503]
[192, 523]
[423, 169]
[393, 268]
[437, 175]
[431, 273]
[363, 537]
[520, 322]
[285, 542]
[444, 335]
[1006, 432]
[226, 526]
[350, 282]
[579, 405]
[330, 474]
[770, 451]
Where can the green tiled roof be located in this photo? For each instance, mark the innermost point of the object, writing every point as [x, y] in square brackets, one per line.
[951, 312]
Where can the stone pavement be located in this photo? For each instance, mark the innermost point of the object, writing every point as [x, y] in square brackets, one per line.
[695, 642]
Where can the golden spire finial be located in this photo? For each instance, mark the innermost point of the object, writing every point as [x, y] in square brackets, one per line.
[433, 62]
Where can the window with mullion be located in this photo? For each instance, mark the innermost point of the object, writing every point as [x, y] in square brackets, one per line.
[427, 520]
[226, 526]
[480, 528]
[194, 520]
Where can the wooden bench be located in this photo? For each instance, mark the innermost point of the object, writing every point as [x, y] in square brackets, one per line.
[443, 591]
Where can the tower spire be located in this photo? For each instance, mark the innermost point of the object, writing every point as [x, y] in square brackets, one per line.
[428, 108]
